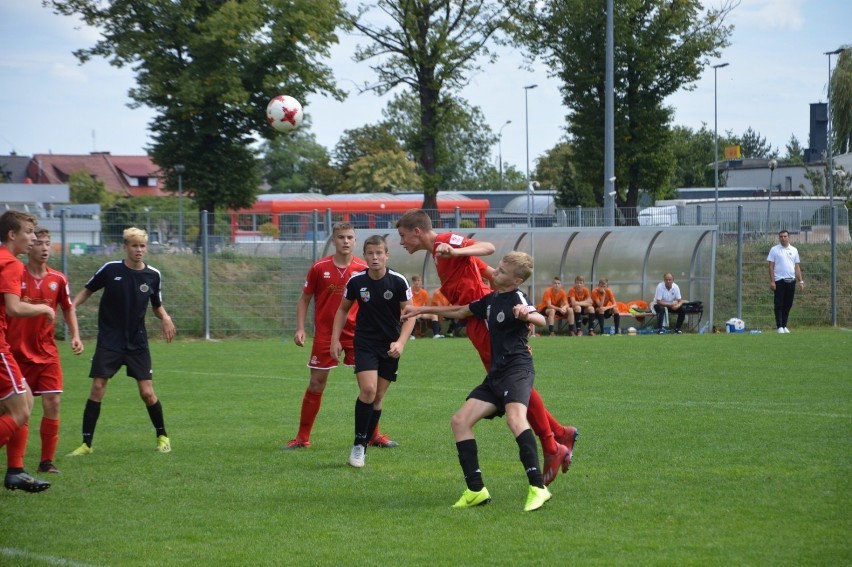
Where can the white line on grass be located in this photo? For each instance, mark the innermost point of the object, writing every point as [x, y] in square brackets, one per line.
[49, 559]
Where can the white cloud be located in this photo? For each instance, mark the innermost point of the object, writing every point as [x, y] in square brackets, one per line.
[770, 14]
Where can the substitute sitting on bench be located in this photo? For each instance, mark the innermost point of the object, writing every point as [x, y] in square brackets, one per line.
[667, 299]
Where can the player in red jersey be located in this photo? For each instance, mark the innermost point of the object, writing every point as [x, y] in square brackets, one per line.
[325, 283]
[33, 343]
[17, 234]
[460, 272]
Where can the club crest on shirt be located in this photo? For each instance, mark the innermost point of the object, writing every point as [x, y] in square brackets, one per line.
[501, 317]
[144, 288]
[456, 240]
[388, 295]
[365, 294]
[53, 286]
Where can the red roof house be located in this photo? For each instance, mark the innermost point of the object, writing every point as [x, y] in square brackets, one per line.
[128, 176]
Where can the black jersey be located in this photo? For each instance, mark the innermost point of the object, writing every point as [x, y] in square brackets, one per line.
[121, 316]
[377, 322]
[508, 335]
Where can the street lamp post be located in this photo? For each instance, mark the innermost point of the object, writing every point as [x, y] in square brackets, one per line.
[716, 141]
[830, 181]
[527, 130]
[500, 150]
[772, 165]
[179, 169]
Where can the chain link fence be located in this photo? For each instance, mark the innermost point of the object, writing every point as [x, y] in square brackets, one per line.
[248, 282]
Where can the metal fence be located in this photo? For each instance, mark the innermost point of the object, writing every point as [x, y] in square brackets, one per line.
[248, 286]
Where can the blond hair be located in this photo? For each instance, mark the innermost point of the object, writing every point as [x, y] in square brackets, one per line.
[134, 234]
[519, 263]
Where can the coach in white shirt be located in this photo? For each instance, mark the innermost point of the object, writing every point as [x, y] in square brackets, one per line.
[784, 272]
[668, 298]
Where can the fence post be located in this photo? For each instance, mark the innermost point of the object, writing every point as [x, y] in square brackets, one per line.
[458, 217]
[739, 262]
[205, 270]
[314, 229]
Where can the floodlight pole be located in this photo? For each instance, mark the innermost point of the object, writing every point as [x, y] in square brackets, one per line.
[500, 150]
[716, 141]
[772, 165]
[830, 181]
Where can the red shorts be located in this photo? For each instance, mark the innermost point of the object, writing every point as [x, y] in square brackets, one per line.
[321, 356]
[43, 378]
[11, 379]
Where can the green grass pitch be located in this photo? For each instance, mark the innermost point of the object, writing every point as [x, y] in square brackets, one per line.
[694, 450]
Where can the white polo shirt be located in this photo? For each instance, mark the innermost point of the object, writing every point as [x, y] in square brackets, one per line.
[785, 261]
[666, 295]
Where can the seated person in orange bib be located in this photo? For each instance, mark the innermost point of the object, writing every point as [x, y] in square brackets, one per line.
[554, 304]
[603, 300]
[461, 274]
[581, 303]
[419, 298]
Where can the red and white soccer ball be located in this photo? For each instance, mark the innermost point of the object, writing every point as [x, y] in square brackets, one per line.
[284, 113]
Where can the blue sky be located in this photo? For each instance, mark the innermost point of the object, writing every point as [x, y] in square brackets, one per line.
[50, 103]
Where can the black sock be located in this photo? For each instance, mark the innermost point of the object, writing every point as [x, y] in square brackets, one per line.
[436, 328]
[528, 452]
[601, 322]
[363, 415]
[90, 420]
[374, 423]
[155, 412]
[469, 460]
[550, 328]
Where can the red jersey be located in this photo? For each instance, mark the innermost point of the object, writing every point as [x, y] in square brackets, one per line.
[11, 273]
[461, 277]
[327, 282]
[32, 338]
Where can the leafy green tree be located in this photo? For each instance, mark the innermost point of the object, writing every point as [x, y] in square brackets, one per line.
[463, 141]
[841, 102]
[795, 153]
[371, 159]
[693, 153]
[432, 47]
[85, 188]
[384, 172]
[207, 68]
[752, 145]
[295, 163]
[555, 170]
[660, 47]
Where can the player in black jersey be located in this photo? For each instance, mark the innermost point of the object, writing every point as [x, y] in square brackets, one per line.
[506, 389]
[380, 338]
[129, 285]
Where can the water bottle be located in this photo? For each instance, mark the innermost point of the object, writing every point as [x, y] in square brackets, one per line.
[754, 332]
[705, 328]
[612, 330]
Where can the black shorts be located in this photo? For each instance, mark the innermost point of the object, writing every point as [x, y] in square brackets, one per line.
[105, 363]
[510, 386]
[371, 359]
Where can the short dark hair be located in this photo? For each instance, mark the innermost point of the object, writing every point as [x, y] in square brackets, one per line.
[375, 240]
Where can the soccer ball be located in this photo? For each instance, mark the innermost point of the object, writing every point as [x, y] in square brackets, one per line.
[631, 331]
[735, 325]
[284, 113]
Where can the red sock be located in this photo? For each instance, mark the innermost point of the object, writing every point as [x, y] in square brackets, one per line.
[537, 416]
[49, 438]
[17, 447]
[8, 427]
[557, 428]
[310, 408]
